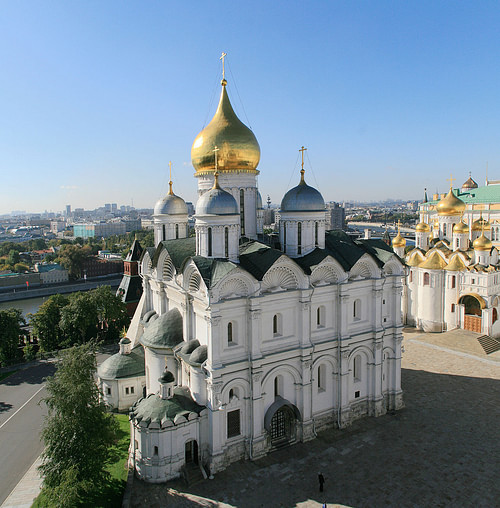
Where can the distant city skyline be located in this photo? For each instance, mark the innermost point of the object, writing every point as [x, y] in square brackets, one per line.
[389, 98]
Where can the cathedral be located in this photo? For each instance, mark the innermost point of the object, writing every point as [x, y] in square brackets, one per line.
[453, 278]
[237, 346]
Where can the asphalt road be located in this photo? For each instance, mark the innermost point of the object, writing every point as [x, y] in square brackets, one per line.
[21, 418]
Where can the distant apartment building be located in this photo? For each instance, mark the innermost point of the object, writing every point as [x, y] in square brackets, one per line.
[99, 229]
[56, 226]
[52, 273]
[190, 208]
[269, 216]
[68, 210]
[132, 224]
[95, 267]
[335, 216]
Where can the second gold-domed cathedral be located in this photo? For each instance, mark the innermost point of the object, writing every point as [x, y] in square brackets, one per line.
[453, 271]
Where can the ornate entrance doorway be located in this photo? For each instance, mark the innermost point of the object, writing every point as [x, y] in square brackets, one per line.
[473, 305]
[280, 422]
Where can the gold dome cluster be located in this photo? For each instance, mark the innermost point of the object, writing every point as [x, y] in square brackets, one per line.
[238, 147]
[422, 227]
[482, 243]
[450, 205]
[460, 227]
[481, 224]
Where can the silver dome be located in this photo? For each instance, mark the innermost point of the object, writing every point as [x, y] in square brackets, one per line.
[216, 201]
[259, 201]
[171, 205]
[302, 198]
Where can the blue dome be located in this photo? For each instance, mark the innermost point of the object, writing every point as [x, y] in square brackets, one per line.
[216, 201]
[302, 198]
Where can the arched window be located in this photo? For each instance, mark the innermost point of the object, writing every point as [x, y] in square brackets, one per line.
[230, 333]
[177, 231]
[276, 325]
[156, 450]
[316, 234]
[426, 279]
[164, 233]
[299, 238]
[357, 368]
[242, 211]
[226, 242]
[321, 378]
[209, 241]
[278, 386]
[356, 312]
[453, 281]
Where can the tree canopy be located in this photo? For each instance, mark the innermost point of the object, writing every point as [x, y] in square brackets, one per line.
[45, 323]
[77, 432]
[11, 321]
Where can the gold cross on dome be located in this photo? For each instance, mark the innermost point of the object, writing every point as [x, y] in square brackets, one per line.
[451, 180]
[215, 150]
[222, 57]
[399, 225]
[170, 181]
[302, 150]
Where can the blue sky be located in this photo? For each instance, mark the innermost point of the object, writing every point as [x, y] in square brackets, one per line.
[389, 97]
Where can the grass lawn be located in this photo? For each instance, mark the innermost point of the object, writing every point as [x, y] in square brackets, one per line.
[3, 375]
[110, 493]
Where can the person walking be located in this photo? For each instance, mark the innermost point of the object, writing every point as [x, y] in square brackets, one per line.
[321, 480]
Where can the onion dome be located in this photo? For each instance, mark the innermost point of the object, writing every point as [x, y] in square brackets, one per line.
[450, 205]
[238, 146]
[302, 198]
[170, 205]
[482, 243]
[434, 262]
[422, 227]
[460, 228]
[469, 184]
[216, 201]
[398, 241]
[166, 377]
[481, 225]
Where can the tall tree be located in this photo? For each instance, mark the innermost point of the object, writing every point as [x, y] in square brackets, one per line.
[79, 321]
[10, 333]
[111, 312]
[77, 432]
[46, 323]
[72, 257]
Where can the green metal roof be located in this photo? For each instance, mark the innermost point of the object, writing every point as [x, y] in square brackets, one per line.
[121, 366]
[154, 409]
[164, 332]
[484, 194]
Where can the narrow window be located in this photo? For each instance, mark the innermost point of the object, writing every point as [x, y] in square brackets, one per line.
[316, 234]
[108, 391]
[452, 307]
[230, 333]
[276, 325]
[209, 241]
[284, 236]
[357, 310]
[453, 281]
[277, 386]
[177, 231]
[356, 394]
[320, 317]
[456, 243]
[156, 450]
[299, 238]
[226, 242]
[321, 378]
[231, 394]
[357, 368]
[164, 232]
[126, 391]
[242, 211]
[411, 276]
[426, 279]
[132, 390]
[444, 229]
[233, 423]
[473, 281]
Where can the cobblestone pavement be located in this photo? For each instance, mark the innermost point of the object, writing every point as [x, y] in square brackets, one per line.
[441, 450]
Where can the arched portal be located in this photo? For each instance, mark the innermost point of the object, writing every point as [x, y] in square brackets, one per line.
[473, 305]
[281, 422]
[191, 452]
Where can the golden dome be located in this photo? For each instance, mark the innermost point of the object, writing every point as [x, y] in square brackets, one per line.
[398, 241]
[482, 243]
[434, 262]
[422, 227]
[460, 227]
[480, 224]
[450, 205]
[237, 144]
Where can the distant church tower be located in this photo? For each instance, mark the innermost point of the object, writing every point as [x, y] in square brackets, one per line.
[130, 290]
[239, 156]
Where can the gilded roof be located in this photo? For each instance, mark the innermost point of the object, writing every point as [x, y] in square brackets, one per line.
[456, 264]
[482, 243]
[237, 144]
[422, 227]
[434, 262]
[450, 205]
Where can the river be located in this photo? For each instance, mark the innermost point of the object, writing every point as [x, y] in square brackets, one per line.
[26, 306]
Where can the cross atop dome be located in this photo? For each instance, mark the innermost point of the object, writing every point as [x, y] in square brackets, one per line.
[224, 81]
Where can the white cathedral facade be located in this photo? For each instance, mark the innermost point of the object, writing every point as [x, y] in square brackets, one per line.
[237, 348]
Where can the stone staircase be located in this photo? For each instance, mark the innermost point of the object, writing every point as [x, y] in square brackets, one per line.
[192, 473]
[489, 344]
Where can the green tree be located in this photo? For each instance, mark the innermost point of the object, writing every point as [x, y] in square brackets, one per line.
[11, 321]
[46, 323]
[72, 257]
[13, 257]
[77, 433]
[111, 312]
[79, 319]
[21, 268]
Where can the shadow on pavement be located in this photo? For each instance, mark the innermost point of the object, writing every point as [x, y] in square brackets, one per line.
[442, 449]
[4, 407]
[31, 375]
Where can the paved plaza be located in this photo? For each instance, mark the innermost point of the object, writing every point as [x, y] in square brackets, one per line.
[441, 450]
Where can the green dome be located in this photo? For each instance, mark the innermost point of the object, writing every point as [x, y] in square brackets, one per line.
[166, 377]
[154, 409]
[164, 332]
[121, 366]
